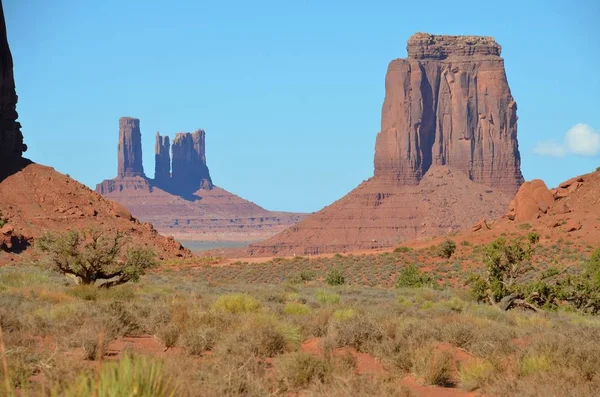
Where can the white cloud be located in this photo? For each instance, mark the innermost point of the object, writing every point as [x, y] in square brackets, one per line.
[580, 140]
[549, 148]
[583, 140]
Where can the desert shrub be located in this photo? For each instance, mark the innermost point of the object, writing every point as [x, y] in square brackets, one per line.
[295, 308]
[402, 249]
[168, 334]
[199, 340]
[357, 332]
[597, 169]
[474, 374]
[93, 256]
[236, 303]
[260, 339]
[460, 333]
[90, 336]
[328, 298]
[131, 376]
[84, 292]
[411, 277]
[335, 277]
[298, 370]
[433, 367]
[344, 314]
[533, 238]
[534, 364]
[446, 249]
[303, 277]
[466, 243]
[525, 226]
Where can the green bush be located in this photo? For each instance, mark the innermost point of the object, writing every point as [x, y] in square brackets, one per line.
[446, 249]
[335, 277]
[131, 376]
[411, 278]
[294, 308]
[402, 249]
[298, 370]
[328, 298]
[236, 303]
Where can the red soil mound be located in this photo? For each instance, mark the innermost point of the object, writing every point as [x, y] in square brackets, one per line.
[36, 199]
[380, 214]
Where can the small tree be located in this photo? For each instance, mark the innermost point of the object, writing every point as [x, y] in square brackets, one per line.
[505, 262]
[410, 277]
[447, 248]
[335, 277]
[93, 256]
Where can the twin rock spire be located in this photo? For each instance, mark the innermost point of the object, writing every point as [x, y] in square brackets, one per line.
[183, 170]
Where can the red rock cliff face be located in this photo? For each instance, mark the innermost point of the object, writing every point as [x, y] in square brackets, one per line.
[11, 139]
[189, 160]
[130, 148]
[449, 103]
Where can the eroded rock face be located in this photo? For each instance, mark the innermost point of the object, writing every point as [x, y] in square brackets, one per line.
[449, 103]
[162, 159]
[11, 138]
[130, 148]
[532, 200]
[189, 161]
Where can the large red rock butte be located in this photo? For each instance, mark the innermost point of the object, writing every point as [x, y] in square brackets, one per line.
[182, 200]
[446, 156]
[35, 199]
[449, 103]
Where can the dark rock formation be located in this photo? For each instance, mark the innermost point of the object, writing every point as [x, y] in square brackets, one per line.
[11, 138]
[130, 148]
[189, 161]
[162, 160]
[449, 103]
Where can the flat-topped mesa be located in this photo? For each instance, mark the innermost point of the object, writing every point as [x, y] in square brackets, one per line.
[162, 159]
[449, 103]
[11, 138]
[431, 46]
[189, 161]
[130, 148]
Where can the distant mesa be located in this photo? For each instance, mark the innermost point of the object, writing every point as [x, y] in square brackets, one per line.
[182, 200]
[446, 156]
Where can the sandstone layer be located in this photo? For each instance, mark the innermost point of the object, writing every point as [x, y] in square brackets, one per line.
[446, 156]
[183, 202]
[449, 103]
[130, 148]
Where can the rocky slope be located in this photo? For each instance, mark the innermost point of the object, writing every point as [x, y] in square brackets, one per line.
[35, 199]
[182, 200]
[446, 156]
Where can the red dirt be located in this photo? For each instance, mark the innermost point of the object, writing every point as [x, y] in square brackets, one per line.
[365, 363]
[37, 199]
[368, 364]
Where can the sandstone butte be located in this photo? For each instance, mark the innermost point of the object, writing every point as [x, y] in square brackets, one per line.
[181, 200]
[35, 199]
[446, 155]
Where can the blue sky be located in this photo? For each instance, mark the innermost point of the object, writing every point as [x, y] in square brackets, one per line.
[289, 92]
